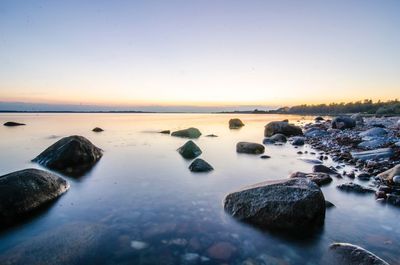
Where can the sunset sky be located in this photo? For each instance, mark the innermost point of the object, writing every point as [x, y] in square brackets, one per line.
[198, 52]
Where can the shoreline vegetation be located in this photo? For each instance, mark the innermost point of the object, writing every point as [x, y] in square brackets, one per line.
[366, 107]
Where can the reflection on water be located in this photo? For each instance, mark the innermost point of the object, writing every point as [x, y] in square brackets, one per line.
[146, 207]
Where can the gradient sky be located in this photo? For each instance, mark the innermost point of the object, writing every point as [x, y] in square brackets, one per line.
[188, 52]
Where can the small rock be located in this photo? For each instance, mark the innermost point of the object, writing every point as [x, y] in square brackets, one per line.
[318, 119]
[284, 128]
[211, 135]
[353, 187]
[348, 254]
[278, 138]
[364, 176]
[187, 133]
[265, 157]
[97, 129]
[324, 169]
[199, 165]
[165, 132]
[249, 148]
[12, 123]
[310, 160]
[235, 124]
[298, 141]
[189, 150]
[343, 123]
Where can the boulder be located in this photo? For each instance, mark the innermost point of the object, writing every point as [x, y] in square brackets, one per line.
[348, 254]
[199, 165]
[292, 204]
[249, 148]
[97, 129]
[26, 190]
[72, 244]
[235, 124]
[343, 123]
[382, 153]
[324, 169]
[187, 133]
[388, 176]
[278, 138]
[284, 128]
[13, 123]
[73, 155]
[353, 187]
[189, 150]
[297, 140]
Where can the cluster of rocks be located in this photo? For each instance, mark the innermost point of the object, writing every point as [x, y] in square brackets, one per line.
[189, 151]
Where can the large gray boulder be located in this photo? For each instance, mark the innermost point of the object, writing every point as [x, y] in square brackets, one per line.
[343, 123]
[189, 150]
[235, 124]
[348, 254]
[72, 244]
[191, 133]
[73, 155]
[26, 190]
[282, 127]
[249, 148]
[292, 204]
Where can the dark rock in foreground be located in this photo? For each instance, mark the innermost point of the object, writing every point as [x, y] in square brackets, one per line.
[235, 124]
[282, 127]
[294, 205]
[97, 129]
[353, 187]
[199, 165]
[73, 155]
[343, 123]
[12, 123]
[26, 190]
[249, 148]
[189, 150]
[71, 244]
[187, 133]
[348, 254]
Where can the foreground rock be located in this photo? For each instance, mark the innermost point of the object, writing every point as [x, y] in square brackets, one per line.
[199, 165]
[97, 129]
[12, 123]
[191, 133]
[293, 205]
[72, 244]
[389, 176]
[189, 150]
[348, 254]
[353, 187]
[235, 124]
[318, 178]
[73, 155]
[249, 148]
[26, 190]
[343, 123]
[282, 127]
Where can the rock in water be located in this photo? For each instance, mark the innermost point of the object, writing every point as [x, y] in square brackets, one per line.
[297, 141]
[235, 124]
[318, 178]
[318, 119]
[13, 123]
[71, 244]
[97, 129]
[73, 155]
[199, 165]
[165, 132]
[353, 187]
[294, 204]
[348, 254]
[189, 150]
[278, 138]
[374, 132]
[343, 123]
[389, 175]
[249, 148]
[324, 169]
[375, 154]
[282, 127]
[26, 190]
[187, 133]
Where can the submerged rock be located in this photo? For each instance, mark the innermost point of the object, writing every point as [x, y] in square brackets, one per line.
[343, 123]
[187, 133]
[310, 160]
[389, 175]
[282, 127]
[348, 254]
[13, 123]
[315, 132]
[372, 144]
[294, 204]
[189, 150]
[298, 141]
[278, 138]
[26, 190]
[235, 124]
[353, 187]
[73, 155]
[199, 165]
[249, 148]
[97, 129]
[375, 154]
[328, 204]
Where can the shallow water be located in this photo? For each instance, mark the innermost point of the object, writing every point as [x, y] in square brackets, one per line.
[141, 190]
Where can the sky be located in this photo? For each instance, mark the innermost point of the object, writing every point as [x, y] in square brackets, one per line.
[200, 53]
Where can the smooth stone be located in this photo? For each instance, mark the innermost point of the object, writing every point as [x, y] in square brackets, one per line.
[291, 204]
[375, 154]
[353, 187]
[372, 144]
[389, 175]
[343, 123]
[324, 169]
[374, 132]
[221, 251]
[348, 254]
[364, 176]
[278, 138]
[235, 124]
[315, 132]
[311, 160]
[199, 165]
[265, 157]
[73, 155]
[187, 133]
[297, 141]
[284, 128]
[97, 129]
[189, 150]
[26, 190]
[396, 180]
[249, 148]
[12, 124]
[165, 132]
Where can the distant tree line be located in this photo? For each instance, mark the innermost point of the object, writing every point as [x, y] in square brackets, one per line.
[367, 106]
